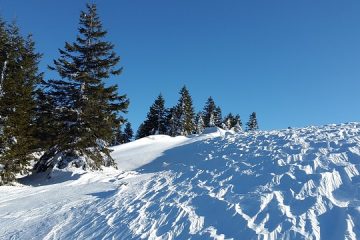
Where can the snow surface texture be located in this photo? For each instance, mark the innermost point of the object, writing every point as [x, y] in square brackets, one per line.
[289, 184]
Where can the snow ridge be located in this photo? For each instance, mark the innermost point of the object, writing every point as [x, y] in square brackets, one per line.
[288, 184]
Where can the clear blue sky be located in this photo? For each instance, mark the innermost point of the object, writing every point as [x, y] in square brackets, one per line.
[295, 63]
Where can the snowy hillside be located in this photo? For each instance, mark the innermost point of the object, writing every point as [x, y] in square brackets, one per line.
[289, 184]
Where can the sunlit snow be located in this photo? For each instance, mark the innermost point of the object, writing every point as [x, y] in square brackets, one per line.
[288, 184]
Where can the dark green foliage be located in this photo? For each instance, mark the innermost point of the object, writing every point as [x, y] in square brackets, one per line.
[173, 121]
[212, 114]
[180, 119]
[123, 136]
[156, 121]
[128, 133]
[231, 121]
[46, 131]
[117, 137]
[140, 132]
[200, 125]
[19, 78]
[217, 117]
[185, 114]
[252, 124]
[85, 110]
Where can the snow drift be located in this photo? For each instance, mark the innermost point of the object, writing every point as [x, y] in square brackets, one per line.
[288, 184]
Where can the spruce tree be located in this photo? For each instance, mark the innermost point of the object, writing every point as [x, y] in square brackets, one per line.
[44, 132]
[212, 112]
[85, 109]
[155, 122]
[237, 127]
[231, 121]
[4, 52]
[185, 113]
[208, 111]
[173, 121]
[128, 133]
[227, 123]
[140, 132]
[117, 137]
[200, 125]
[252, 124]
[19, 79]
[237, 121]
[217, 117]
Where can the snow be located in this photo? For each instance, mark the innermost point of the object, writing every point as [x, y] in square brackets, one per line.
[2, 78]
[287, 184]
[143, 151]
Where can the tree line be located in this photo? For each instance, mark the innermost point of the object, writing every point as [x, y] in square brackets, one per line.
[181, 120]
[71, 118]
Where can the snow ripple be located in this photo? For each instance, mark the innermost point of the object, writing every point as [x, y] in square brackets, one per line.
[289, 184]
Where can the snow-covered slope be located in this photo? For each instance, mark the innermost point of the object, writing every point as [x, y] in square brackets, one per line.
[289, 184]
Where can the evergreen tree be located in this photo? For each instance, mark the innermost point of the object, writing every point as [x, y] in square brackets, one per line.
[128, 133]
[237, 120]
[213, 113]
[19, 78]
[252, 124]
[46, 131]
[217, 117]
[212, 120]
[173, 121]
[231, 121]
[85, 110]
[200, 125]
[4, 52]
[227, 123]
[208, 111]
[155, 122]
[140, 131]
[237, 127]
[185, 113]
[117, 137]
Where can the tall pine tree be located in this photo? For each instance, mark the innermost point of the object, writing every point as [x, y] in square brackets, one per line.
[19, 79]
[86, 110]
[185, 113]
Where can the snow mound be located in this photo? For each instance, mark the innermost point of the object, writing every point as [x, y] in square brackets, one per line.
[288, 184]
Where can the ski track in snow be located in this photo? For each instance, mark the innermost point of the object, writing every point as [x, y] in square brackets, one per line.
[288, 184]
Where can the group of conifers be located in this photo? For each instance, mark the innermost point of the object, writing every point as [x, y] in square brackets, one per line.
[73, 118]
[181, 120]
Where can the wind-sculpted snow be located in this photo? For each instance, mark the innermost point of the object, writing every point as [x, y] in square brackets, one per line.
[289, 184]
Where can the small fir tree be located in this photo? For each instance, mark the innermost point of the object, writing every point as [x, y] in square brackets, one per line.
[252, 124]
[208, 111]
[174, 122]
[156, 122]
[237, 127]
[200, 125]
[230, 121]
[212, 120]
[128, 133]
[217, 117]
[117, 137]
